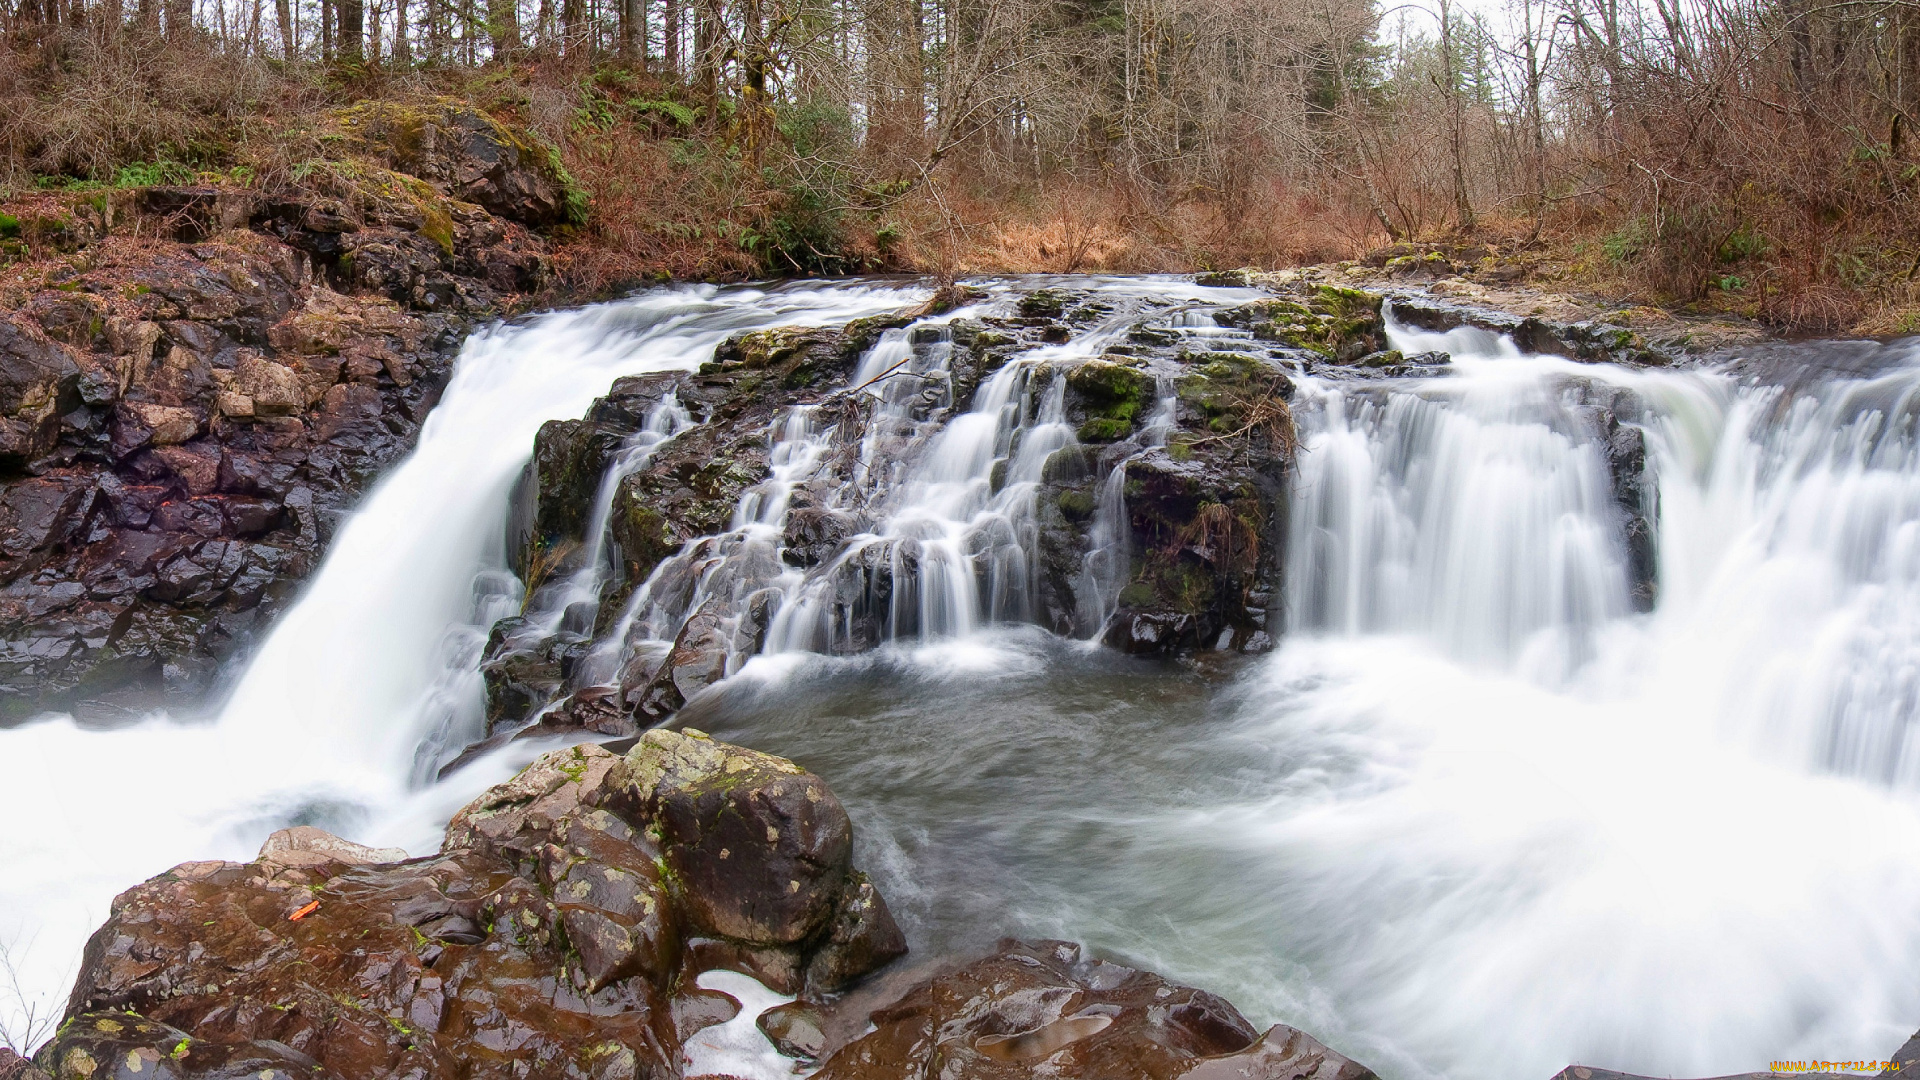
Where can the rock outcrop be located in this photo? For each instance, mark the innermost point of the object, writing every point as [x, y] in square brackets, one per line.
[1046, 1008]
[558, 933]
[561, 930]
[1159, 525]
[183, 418]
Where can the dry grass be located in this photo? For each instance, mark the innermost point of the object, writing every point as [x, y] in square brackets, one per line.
[1071, 227]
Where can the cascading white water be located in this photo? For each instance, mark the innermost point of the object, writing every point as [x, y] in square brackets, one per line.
[1539, 828]
[1473, 511]
[957, 530]
[949, 498]
[325, 725]
[583, 587]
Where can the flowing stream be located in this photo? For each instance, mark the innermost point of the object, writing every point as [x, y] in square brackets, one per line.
[1511, 793]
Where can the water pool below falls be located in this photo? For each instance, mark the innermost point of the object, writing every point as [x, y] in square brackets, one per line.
[1484, 811]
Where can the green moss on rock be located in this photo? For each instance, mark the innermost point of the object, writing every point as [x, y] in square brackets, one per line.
[1102, 429]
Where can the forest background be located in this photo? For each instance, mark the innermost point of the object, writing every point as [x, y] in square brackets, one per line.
[1757, 157]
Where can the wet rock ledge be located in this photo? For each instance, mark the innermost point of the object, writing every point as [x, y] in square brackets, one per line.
[562, 931]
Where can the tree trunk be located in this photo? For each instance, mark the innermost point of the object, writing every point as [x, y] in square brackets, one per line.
[503, 25]
[352, 15]
[706, 44]
[402, 41]
[1456, 120]
[572, 26]
[670, 46]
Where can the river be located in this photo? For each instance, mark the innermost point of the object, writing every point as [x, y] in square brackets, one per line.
[1484, 811]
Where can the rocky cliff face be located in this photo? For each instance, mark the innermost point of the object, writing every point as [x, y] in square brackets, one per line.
[192, 395]
[562, 932]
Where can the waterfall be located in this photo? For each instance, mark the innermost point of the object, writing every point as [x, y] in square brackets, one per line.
[1478, 512]
[1109, 543]
[378, 656]
[1591, 735]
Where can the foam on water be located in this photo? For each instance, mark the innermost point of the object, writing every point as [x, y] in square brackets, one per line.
[736, 1050]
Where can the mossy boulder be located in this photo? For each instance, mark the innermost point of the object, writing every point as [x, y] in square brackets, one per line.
[1109, 399]
[1043, 304]
[1337, 323]
[469, 155]
[1204, 532]
[1235, 392]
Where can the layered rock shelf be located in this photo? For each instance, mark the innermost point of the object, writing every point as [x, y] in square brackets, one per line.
[190, 399]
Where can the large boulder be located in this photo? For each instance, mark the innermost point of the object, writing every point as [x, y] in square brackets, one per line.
[109, 1045]
[558, 933]
[759, 848]
[561, 930]
[757, 854]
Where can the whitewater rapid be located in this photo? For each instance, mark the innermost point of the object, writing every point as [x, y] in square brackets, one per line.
[1478, 816]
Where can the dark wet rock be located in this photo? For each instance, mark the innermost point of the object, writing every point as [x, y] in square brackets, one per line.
[815, 534]
[513, 819]
[1207, 535]
[1203, 512]
[1282, 1053]
[795, 1029]
[547, 938]
[1046, 1008]
[697, 660]
[117, 1046]
[1635, 495]
[757, 847]
[183, 421]
[562, 478]
[304, 845]
[861, 938]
